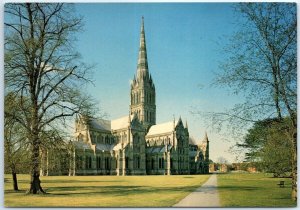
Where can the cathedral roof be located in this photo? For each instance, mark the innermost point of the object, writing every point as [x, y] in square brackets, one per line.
[107, 125]
[81, 145]
[158, 149]
[162, 128]
[100, 124]
[108, 147]
[104, 147]
[121, 122]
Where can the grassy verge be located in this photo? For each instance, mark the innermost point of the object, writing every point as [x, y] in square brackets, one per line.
[103, 191]
[254, 190]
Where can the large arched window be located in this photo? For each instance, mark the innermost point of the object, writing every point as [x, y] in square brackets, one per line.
[136, 162]
[98, 162]
[126, 162]
[152, 163]
[88, 162]
[98, 139]
[136, 143]
[107, 163]
[79, 162]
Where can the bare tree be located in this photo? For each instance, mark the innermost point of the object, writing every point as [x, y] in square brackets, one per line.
[42, 66]
[16, 144]
[262, 65]
[222, 160]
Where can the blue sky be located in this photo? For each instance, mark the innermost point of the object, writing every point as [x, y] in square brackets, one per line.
[184, 46]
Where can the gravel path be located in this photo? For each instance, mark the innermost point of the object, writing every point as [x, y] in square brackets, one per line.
[205, 196]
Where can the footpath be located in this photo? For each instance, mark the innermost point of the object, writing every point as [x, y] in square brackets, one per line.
[205, 196]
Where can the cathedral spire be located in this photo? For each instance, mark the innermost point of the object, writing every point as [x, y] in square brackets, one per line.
[143, 90]
[142, 67]
[206, 137]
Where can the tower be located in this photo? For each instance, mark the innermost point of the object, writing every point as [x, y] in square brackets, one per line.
[207, 147]
[206, 155]
[142, 88]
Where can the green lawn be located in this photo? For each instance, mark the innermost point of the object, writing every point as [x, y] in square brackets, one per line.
[104, 191]
[253, 190]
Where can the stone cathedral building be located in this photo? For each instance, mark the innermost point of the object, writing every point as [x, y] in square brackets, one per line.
[134, 144]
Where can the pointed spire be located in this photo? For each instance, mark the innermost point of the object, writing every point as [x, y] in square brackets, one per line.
[142, 68]
[129, 118]
[174, 121]
[206, 137]
[186, 124]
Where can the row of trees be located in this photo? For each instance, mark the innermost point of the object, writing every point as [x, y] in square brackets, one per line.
[44, 79]
[269, 146]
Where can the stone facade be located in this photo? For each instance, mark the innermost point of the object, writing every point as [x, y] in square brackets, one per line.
[134, 144]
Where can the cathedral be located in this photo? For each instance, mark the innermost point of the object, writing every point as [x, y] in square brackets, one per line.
[134, 144]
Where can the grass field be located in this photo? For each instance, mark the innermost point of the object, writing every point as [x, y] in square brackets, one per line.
[254, 190]
[103, 191]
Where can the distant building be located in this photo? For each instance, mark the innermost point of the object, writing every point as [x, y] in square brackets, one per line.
[134, 144]
[223, 168]
[245, 166]
[212, 167]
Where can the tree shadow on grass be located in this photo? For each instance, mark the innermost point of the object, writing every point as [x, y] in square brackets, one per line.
[13, 191]
[7, 180]
[78, 181]
[113, 190]
[239, 188]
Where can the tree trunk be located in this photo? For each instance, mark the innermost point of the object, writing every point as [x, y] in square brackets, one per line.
[15, 180]
[294, 167]
[35, 183]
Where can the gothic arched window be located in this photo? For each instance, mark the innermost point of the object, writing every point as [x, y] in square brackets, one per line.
[98, 139]
[152, 163]
[98, 162]
[88, 162]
